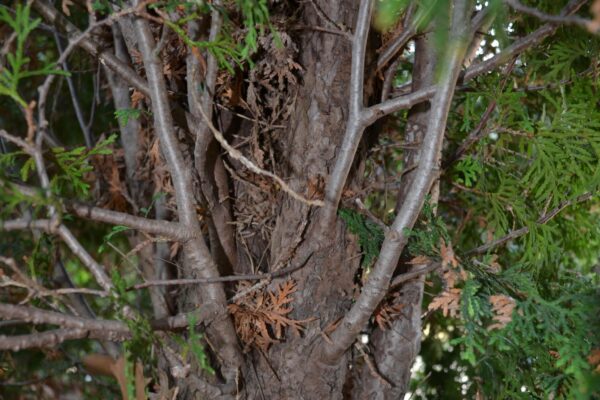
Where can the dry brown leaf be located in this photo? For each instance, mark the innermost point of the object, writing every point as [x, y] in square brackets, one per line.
[594, 360]
[453, 272]
[419, 260]
[65, 7]
[136, 98]
[389, 310]
[447, 301]
[448, 256]
[262, 317]
[503, 307]
[594, 24]
[100, 364]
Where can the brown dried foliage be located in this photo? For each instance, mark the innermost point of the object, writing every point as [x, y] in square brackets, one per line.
[448, 301]
[262, 317]
[388, 310]
[503, 306]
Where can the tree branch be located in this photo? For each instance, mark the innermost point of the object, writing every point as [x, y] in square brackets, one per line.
[379, 279]
[389, 106]
[398, 44]
[520, 45]
[524, 230]
[232, 278]
[237, 155]
[511, 51]
[87, 134]
[172, 230]
[38, 316]
[587, 24]
[51, 226]
[72, 327]
[107, 58]
[53, 338]
[355, 125]
[197, 256]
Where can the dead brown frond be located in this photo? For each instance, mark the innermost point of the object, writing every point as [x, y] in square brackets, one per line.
[388, 310]
[262, 317]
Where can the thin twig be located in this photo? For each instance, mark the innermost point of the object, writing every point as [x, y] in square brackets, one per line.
[524, 230]
[87, 134]
[479, 131]
[237, 155]
[76, 37]
[520, 45]
[232, 278]
[394, 47]
[589, 25]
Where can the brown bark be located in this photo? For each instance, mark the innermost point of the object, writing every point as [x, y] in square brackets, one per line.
[307, 150]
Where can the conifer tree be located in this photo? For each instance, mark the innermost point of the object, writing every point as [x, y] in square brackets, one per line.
[265, 199]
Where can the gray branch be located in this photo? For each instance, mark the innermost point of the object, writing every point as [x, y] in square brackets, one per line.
[197, 256]
[379, 279]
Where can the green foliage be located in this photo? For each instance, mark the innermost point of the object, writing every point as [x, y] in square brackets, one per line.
[467, 171]
[428, 232]
[370, 235]
[142, 335]
[387, 13]
[545, 346]
[22, 25]
[113, 231]
[74, 164]
[125, 114]
[227, 51]
[194, 345]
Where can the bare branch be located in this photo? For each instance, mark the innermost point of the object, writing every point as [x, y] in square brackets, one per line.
[237, 155]
[172, 230]
[387, 107]
[520, 45]
[232, 278]
[355, 125]
[398, 44]
[336, 28]
[400, 279]
[53, 338]
[198, 257]
[107, 58]
[17, 140]
[379, 279]
[87, 134]
[38, 316]
[51, 226]
[584, 23]
[524, 230]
